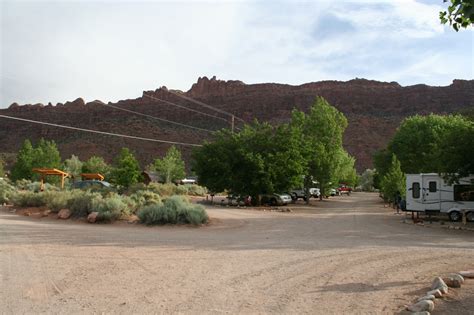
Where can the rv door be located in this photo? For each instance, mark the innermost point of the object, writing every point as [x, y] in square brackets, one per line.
[432, 193]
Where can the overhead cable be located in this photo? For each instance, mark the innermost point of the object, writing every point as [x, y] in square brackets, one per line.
[183, 107]
[153, 117]
[206, 105]
[100, 132]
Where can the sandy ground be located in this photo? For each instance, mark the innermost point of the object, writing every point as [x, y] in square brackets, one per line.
[346, 255]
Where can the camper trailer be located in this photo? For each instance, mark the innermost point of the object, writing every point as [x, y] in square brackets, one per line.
[430, 193]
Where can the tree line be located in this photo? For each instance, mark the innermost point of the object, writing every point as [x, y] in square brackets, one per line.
[124, 171]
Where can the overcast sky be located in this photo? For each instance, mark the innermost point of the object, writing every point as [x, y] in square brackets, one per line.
[54, 51]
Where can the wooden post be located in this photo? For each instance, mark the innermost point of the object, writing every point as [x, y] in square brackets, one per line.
[42, 183]
[62, 181]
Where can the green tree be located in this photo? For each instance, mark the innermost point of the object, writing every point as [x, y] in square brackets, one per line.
[97, 164]
[321, 132]
[259, 159]
[73, 166]
[171, 166]
[417, 142]
[127, 170]
[394, 181]
[46, 155]
[22, 169]
[460, 13]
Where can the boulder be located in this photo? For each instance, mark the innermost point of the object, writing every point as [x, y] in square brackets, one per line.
[467, 274]
[457, 276]
[438, 283]
[27, 213]
[437, 293]
[64, 214]
[92, 217]
[452, 282]
[45, 213]
[421, 313]
[427, 297]
[424, 305]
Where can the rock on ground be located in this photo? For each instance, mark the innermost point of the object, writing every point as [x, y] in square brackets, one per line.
[467, 274]
[427, 297]
[424, 305]
[64, 214]
[437, 293]
[92, 217]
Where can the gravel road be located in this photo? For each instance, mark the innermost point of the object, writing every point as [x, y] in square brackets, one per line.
[346, 255]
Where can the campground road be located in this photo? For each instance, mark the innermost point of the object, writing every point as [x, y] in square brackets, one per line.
[346, 255]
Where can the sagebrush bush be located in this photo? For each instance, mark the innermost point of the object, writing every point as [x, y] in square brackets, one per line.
[80, 202]
[22, 184]
[144, 198]
[174, 210]
[57, 200]
[136, 187]
[6, 191]
[162, 189]
[195, 190]
[29, 199]
[110, 208]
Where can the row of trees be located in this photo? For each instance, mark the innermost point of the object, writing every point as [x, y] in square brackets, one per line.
[262, 158]
[124, 171]
[426, 144]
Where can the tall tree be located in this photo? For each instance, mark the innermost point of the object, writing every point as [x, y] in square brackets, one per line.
[22, 169]
[127, 170]
[321, 141]
[46, 155]
[171, 167]
[2, 170]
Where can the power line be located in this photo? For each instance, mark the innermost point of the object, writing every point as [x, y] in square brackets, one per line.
[153, 117]
[100, 132]
[206, 105]
[183, 107]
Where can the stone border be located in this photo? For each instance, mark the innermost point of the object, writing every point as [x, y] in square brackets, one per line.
[439, 287]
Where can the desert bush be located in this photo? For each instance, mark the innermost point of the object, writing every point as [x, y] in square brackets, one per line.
[162, 189]
[29, 199]
[6, 191]
[195, 190]
[175, 210]
[110, 208]
[22, 184]
[57, 200]
[145, 198]
[181, 190]
[80, 202]
[136, 187]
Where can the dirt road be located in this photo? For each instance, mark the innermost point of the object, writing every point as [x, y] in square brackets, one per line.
[348, 255]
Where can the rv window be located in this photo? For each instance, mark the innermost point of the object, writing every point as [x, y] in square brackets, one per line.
[415, 190]
[464, 192]
[432, 186]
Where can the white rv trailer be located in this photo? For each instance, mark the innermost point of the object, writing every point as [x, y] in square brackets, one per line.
[430, 193]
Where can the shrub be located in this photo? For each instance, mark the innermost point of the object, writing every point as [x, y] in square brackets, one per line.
[57, 200]
[175, 210]
[196, 190]
[29, 199]
[6, 191]
[162, 189]
[80, 202]
[22, 184]
[110, 208]
[181, 190]
[145, 198]
[136, 187]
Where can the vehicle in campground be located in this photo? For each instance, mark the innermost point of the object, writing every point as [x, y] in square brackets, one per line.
[300, 193]
[276, 199]
[431, 194]
[91, 184]
[344, 189]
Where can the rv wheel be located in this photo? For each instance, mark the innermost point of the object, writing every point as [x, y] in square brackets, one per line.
[470, 216]
[455, 216]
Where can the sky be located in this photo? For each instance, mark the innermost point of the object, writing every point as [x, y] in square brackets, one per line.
[55, 51]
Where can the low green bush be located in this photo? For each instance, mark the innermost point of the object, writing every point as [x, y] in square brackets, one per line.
[110, 208]
[174, 210]
[57, 200]
[80, 202]
[162, 189]
[144, 198]
[6, 191]
[29, 199]
[195, 190]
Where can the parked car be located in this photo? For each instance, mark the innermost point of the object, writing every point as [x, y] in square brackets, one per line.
[188, 180]
[300, 193]
[343, 189]
[277, 199]
[92, 184]
[332, 192]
